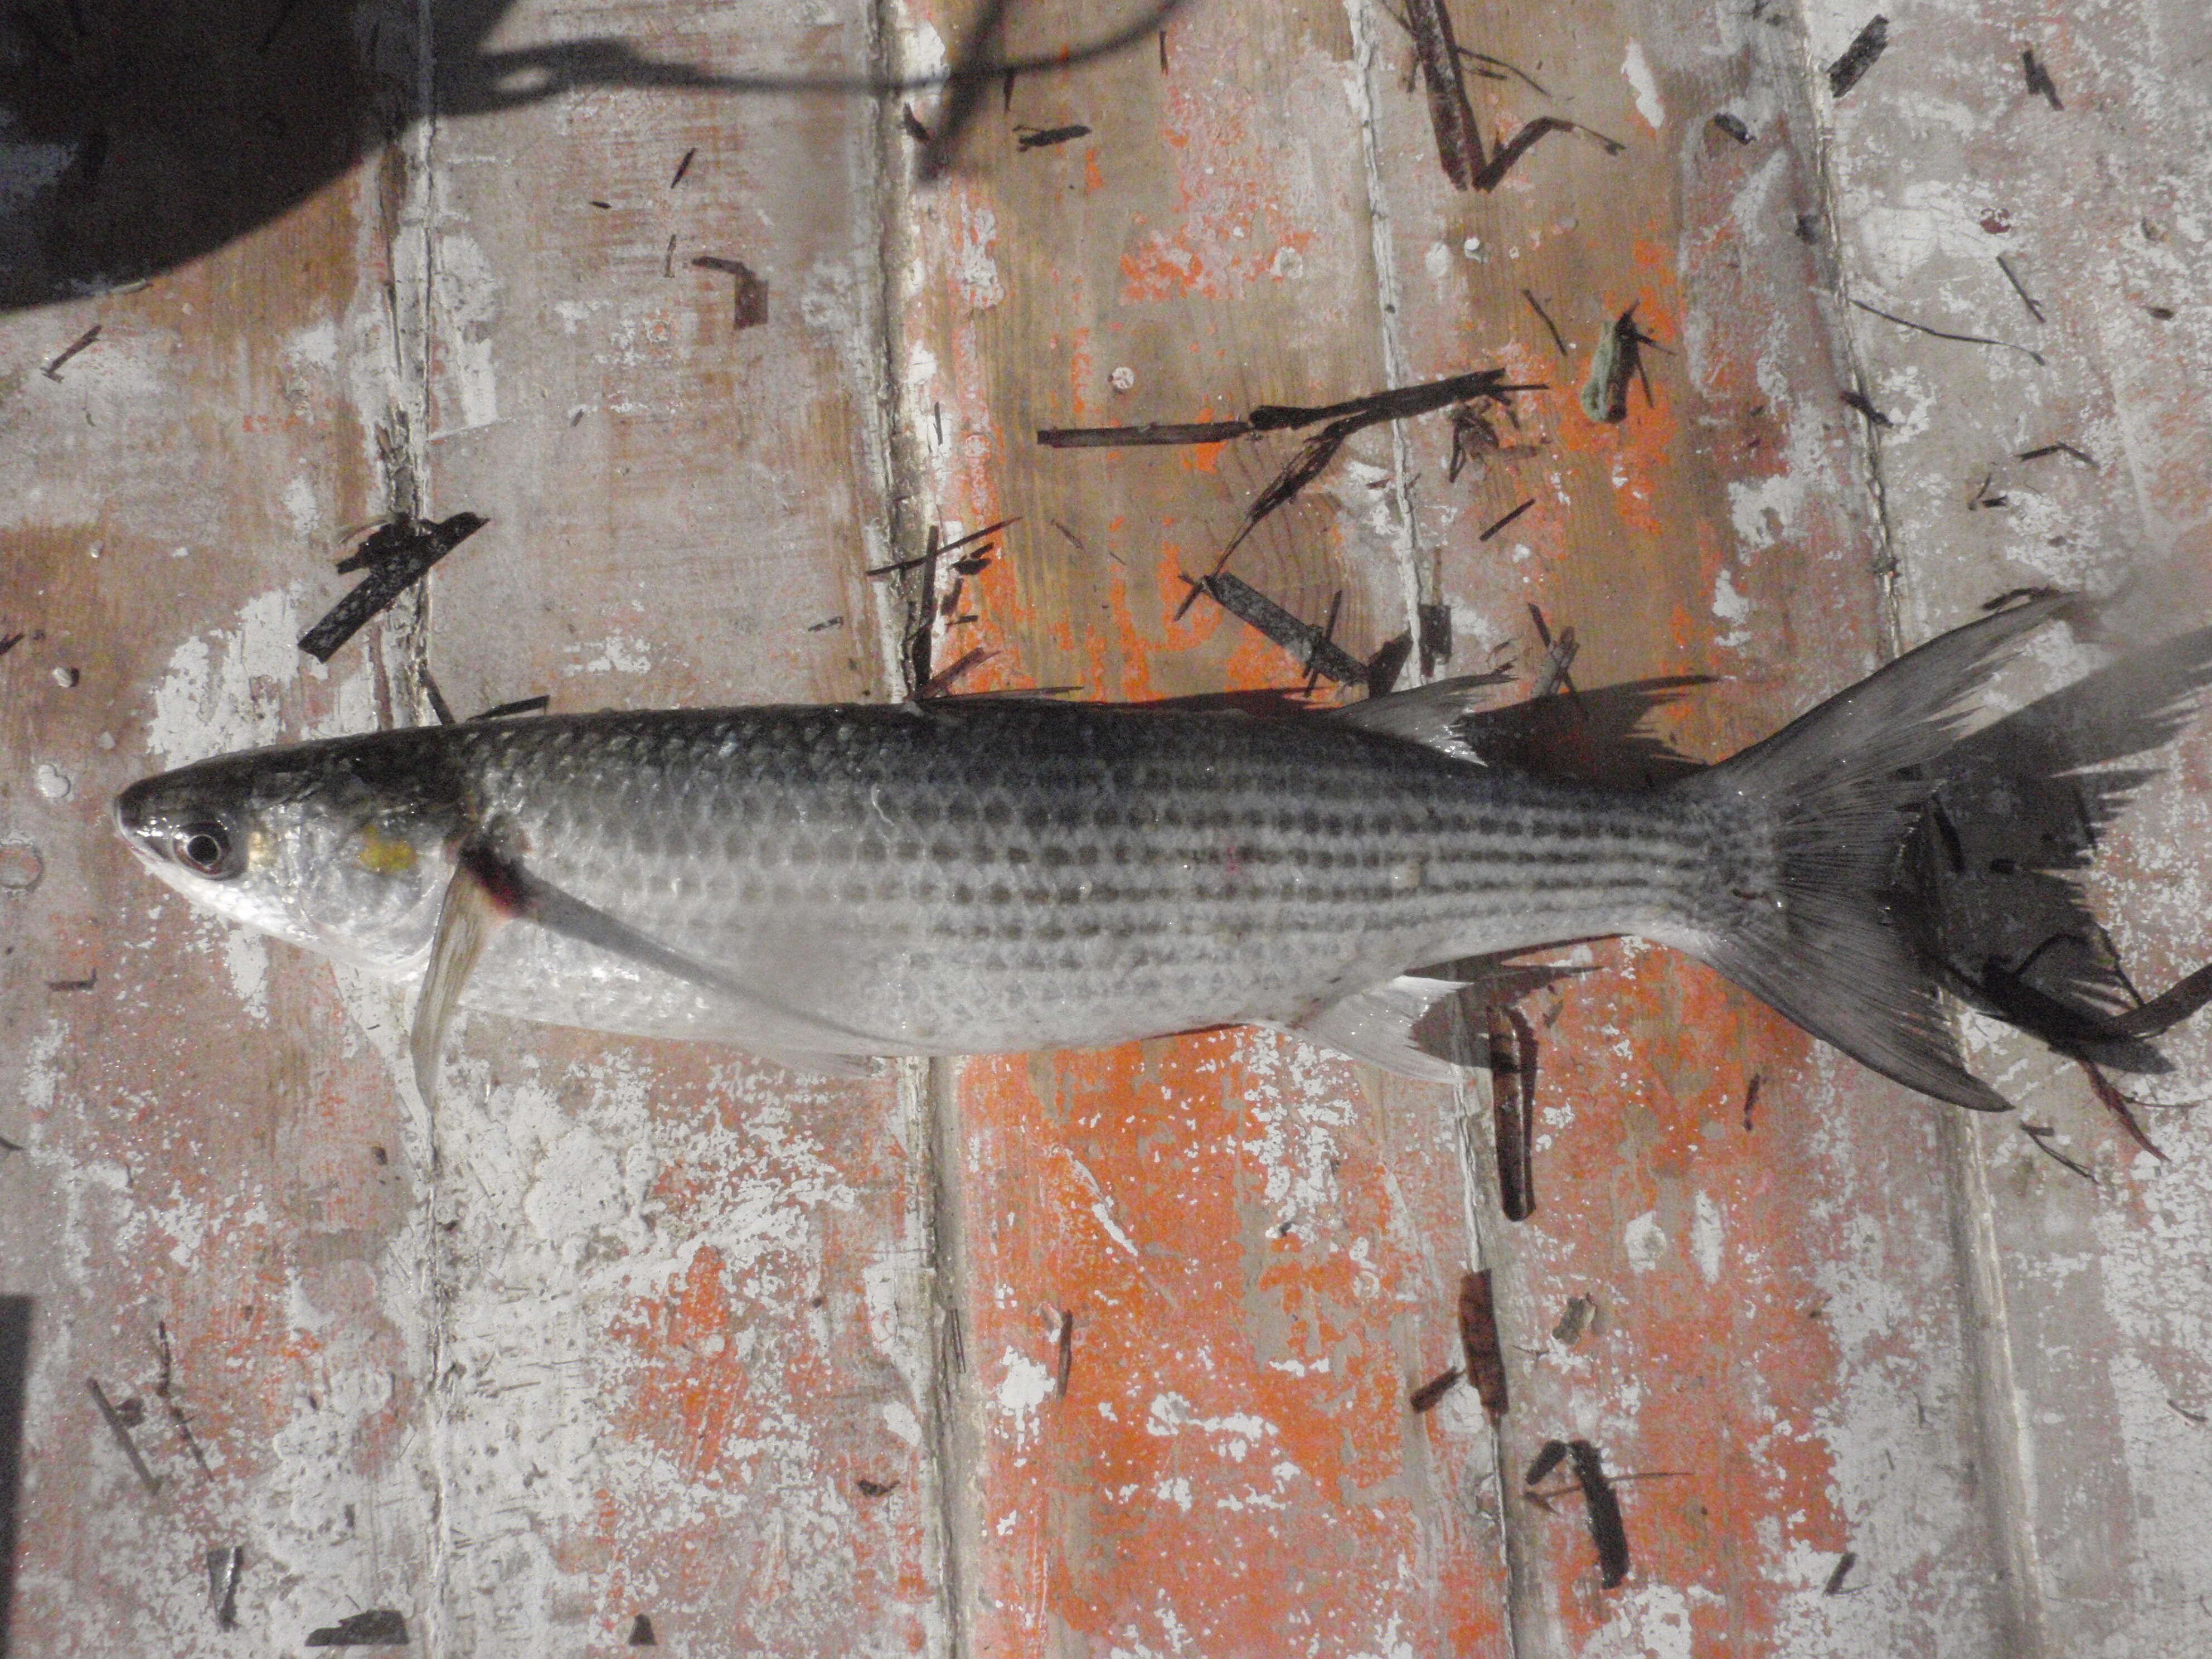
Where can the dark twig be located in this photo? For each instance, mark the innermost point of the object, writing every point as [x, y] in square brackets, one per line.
[121, 1430]
[1479, 1344]
[1430, 1394]
[379, 1627]
[1324, 640]
[177, 1420]
[1313, 457]
[2086, 460]
[942, 682]
[1459, 141]
[1549, 1456]
[1046, 137]
[683, 167]
[1864, 406]
[1858, 58]
[1507, 519]
[2039, 83]
[439, 707]
[1313, 649]
[1557, 340]
[223, 1567]
[397, 558]
[2025, 298]
[52, 371]
[937, 551]
[1943, 334]
[500, 711]
[1512, 1072]
[1602, 1508]
[1845, 1563]
[1157, 432]
[2041, 1134]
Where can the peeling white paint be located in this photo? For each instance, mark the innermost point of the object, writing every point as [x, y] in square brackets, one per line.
[1705, 1237]
[1732, 608]
[464, 304]
[1645, 1241]
[617, 653]
[974, 272]
[226, 689]
[1649, 105]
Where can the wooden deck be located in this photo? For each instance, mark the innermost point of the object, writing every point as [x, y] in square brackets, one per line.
[1102, 1353]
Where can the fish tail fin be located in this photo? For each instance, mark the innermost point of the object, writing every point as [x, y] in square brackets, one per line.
[1811, 826]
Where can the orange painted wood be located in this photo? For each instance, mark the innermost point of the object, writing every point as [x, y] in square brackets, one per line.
[1255, 1249]
[1778, 1343]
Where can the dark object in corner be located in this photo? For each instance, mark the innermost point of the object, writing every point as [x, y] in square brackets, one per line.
[1602, 1506]
[1858, 58]
[1426, 1398]
[1046, 137]
[397, 558]
[1618, 360]
[379, 1627]
[2039, 79]
[641, 1632]
[750, 309]
[15, 1381]
[1478, 1342]
[1860, 402]
[1733, 126]
[224, 1564]
[52, 371]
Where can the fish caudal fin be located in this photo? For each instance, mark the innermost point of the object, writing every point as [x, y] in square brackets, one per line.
[1811, 825]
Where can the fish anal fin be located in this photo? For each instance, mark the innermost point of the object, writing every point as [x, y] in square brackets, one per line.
[1378, 1025]
[808, 1063]
[482, 895]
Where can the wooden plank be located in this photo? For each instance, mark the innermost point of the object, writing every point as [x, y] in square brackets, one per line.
[1773, 1329]
[1245, 1254]
[1944, 160]
[684, 1285]
[211, 1147]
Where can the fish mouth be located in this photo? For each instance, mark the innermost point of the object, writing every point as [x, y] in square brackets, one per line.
[128, 814]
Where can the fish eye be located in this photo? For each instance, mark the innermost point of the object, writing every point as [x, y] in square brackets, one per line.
[205, 846]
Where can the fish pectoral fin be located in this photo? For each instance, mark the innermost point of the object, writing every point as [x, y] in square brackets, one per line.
[484, 895]
[488, 890]
[1378, 1025]
[841, 1049]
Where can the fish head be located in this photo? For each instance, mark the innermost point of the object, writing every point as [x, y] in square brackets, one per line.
[326, 846]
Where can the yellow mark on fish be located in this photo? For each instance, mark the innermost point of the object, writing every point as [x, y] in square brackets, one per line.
[384, 854]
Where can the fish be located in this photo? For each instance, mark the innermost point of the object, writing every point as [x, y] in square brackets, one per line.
[822, 885]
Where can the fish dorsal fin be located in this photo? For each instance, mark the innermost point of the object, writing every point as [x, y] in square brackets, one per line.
[482, 895]
[488, 890]
[1426, 714]
[1376, 1025]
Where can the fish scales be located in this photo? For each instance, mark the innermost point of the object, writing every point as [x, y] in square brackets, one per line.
[998, 875]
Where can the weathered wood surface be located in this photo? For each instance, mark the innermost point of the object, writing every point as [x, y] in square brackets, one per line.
[1128, 1336]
